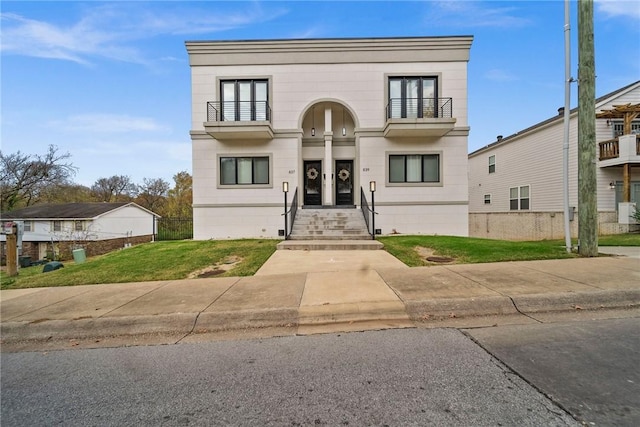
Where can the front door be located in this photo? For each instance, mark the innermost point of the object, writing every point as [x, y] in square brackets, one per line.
[344, 182]
[312, 182]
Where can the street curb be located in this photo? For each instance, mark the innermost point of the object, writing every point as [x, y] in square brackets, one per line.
[180, 323]
[313, 316]
[243, 319]
[622, 298]
[460, 307]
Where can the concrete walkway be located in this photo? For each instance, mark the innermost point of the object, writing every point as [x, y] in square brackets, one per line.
[306, 292]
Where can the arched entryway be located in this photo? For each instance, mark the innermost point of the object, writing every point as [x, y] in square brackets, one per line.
[329, 158]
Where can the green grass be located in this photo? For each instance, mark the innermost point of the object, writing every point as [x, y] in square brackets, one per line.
[629, 239]
[150, 261]
[472, 250]
[177, 259]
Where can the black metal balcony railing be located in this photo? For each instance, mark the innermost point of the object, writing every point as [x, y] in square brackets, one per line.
[420, 108]
[238, 111]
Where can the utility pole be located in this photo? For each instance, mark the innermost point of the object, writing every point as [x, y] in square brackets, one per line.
[587, 188]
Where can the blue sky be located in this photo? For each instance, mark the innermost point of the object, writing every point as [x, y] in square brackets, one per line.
[109, 82]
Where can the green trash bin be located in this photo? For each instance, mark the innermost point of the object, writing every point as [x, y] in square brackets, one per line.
[24, 261]
[79, 256]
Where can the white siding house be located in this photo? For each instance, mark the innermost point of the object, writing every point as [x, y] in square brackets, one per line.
[96, 227]
[328, 116]
[516, 182]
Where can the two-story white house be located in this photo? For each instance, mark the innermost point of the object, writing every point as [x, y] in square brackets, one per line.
[516, 183]
[329, 117]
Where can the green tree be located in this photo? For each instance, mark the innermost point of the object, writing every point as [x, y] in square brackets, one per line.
[180, 198]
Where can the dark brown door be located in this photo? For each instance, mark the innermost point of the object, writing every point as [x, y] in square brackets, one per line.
[312, 182]
[344, 182]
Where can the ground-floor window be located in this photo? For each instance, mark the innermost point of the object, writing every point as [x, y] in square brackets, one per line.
[244, 170]
[519, 198]
[409, 168]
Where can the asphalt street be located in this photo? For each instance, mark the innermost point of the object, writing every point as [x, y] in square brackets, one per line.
[591, 368]
[393, 377]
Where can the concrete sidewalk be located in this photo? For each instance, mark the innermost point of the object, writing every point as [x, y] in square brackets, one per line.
[322, 291]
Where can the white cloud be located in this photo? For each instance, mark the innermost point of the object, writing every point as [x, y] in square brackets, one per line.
[499, 75]
[111, 30]
[107, 123]
[474, 14]
[615, 8]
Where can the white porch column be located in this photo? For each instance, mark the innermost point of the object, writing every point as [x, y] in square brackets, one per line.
[328, 158]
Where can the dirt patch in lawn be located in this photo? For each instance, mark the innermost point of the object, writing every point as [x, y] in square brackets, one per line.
[215, 270]
[430, 257]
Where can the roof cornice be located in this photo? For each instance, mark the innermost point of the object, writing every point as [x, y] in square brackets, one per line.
[329, 51]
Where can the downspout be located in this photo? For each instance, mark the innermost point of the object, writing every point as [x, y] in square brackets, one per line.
[567, 113]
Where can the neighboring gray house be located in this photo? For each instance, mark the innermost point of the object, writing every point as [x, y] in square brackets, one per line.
[516, 183]
[97, 227]
[328, 117]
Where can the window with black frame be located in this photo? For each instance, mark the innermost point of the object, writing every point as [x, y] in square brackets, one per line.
[244, 100]
[244, 170]
[413, 97]
[414, 168]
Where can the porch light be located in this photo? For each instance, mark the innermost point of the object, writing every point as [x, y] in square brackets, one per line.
[372, 186]
[313, 121]
[612, 185]
[285, 187]
[344, 129]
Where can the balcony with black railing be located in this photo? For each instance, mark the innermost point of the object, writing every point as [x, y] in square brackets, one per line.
[239, 120]
[416, 117]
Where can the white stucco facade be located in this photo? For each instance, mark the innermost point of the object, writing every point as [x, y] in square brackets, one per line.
[337, 114]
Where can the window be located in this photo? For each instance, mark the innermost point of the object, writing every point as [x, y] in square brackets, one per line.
[78, 225]
[244, 170]
[414, 168]
[56, 225]
[519, 198]
[492, 164]
[28, 226]
[487, 199]
[618, 128]
[412, 97]
[244, 100]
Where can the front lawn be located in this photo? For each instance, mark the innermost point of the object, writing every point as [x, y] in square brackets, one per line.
[154, 261]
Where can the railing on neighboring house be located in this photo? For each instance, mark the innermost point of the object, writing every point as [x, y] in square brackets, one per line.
[419, 108]
[610, 149]
[238, 111]
[290, 215]
[368, 213]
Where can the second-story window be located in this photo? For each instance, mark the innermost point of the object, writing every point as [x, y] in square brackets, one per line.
[412, 97]
[492, 164]
[244, 100]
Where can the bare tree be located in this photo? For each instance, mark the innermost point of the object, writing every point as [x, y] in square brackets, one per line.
[117, 188]
[152, 194]
[25, 177]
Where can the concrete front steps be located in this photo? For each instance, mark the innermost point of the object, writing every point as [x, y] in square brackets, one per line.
[329, 229]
